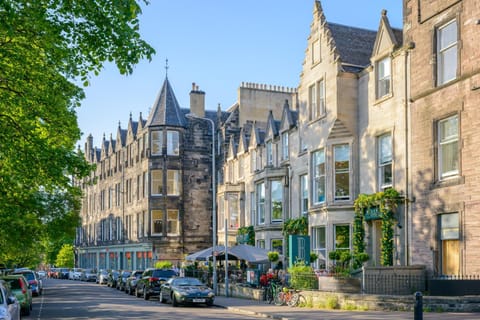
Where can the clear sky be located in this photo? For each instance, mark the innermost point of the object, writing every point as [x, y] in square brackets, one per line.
[218, 44]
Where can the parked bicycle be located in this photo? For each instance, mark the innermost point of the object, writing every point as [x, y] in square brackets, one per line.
[272, 291]
[287, 296]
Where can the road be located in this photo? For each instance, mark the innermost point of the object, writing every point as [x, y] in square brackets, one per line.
[68, 300]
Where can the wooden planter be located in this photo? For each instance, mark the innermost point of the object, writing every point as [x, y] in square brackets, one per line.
[339, 284]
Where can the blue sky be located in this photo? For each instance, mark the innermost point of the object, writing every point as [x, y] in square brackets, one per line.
[218, 44]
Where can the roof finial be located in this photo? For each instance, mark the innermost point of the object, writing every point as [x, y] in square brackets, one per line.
[166, 68]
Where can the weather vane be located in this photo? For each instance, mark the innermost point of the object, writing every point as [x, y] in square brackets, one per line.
[166, 68]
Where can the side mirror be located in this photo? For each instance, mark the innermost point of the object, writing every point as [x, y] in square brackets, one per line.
[11, 300]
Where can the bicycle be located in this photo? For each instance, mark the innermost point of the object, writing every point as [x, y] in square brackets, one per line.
[286, 296]
[272, 291]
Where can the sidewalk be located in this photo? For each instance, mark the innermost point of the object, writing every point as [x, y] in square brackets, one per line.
[265, 310]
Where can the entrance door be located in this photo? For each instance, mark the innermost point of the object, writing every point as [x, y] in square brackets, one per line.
[377, 245]
[451, 257]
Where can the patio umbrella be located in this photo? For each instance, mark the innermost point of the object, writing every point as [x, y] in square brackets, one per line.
[205, 254]
[249, 253]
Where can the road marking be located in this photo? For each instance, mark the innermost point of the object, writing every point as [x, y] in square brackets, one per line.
[41, 304]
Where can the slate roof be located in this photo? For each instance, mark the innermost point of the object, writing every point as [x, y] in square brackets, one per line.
[354, 45]
[166, 110]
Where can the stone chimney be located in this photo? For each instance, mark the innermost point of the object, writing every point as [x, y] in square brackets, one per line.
[197, 101]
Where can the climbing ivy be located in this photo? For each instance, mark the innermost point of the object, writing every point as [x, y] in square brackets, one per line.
[297, 226]
[387, 202]
[250, 232]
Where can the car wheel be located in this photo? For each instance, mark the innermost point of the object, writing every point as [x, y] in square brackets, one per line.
[145, 294]
[210, 303]
[26, 311]
[162, 298]
[174, 301]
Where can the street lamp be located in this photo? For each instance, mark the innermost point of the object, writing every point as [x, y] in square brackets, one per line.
[214, 211]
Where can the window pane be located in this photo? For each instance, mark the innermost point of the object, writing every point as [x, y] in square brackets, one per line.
[447, 38]
[234, 221]
[385, 161]
[342, 237]
[173, 143]
[157, 221]
[304, 194]
[319, 245]
[261, 203]
[448, 154]
[172, 222]
[448, 65]
[277, 201]
[277, 245]
[157, 182]
[157, 139]
[173, 182]
[449, 224]
[342, 172]
[319, 173]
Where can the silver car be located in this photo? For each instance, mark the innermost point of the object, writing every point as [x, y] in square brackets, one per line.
[9, 306]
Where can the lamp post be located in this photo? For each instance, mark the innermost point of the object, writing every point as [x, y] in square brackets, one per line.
[214, 211]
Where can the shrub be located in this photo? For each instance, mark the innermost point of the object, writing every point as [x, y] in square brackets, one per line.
[163, 264]
[302, 276]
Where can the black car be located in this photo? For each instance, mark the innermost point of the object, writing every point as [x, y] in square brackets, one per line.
[131, 282]
[112, 278]
[122, 279]
[149, 284]
[186, 290]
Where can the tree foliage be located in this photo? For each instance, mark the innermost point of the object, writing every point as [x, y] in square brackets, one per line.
[46, 47]
[65, 257]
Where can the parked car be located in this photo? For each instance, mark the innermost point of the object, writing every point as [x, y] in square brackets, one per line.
[35, 284]
[131, 282]
[112, 278]
[149, 284]
[63, 273]
[9, 306]
[22, 291]
[42, 274]
[186, 290]
[102, 277]
[88, 275]
[122, 279]
[74, 274]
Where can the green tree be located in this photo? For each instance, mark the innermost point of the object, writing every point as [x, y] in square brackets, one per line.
[46, 47]
[65, 257]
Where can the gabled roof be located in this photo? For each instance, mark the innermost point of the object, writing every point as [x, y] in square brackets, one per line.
[353, 44]
[289, 118]
[272, 127]
[388, 39]
[166, 110]
[242, 141]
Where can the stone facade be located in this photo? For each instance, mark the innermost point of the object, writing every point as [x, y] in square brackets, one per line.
[134, 211]
[444, 84]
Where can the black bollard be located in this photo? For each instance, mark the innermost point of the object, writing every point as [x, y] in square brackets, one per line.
[418, 308]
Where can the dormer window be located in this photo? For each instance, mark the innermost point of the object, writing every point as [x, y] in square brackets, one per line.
[383, 77]
[269, 153]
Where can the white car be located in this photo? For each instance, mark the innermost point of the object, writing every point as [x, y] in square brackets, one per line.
[9, 306]
[75, 274]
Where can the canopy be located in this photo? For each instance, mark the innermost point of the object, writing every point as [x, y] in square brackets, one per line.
[205, 254]
[249, 253]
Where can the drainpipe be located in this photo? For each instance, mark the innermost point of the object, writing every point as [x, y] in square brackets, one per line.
[407, 205]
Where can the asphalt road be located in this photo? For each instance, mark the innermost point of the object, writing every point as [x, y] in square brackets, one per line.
[67, 299]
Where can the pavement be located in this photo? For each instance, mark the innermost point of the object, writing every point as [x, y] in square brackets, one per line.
[264, 310]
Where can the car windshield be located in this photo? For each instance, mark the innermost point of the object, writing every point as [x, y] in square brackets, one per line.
[187, 282]
[164, 273]
[28, 275]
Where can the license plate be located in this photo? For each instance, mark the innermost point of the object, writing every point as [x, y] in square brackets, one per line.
[199, 300]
